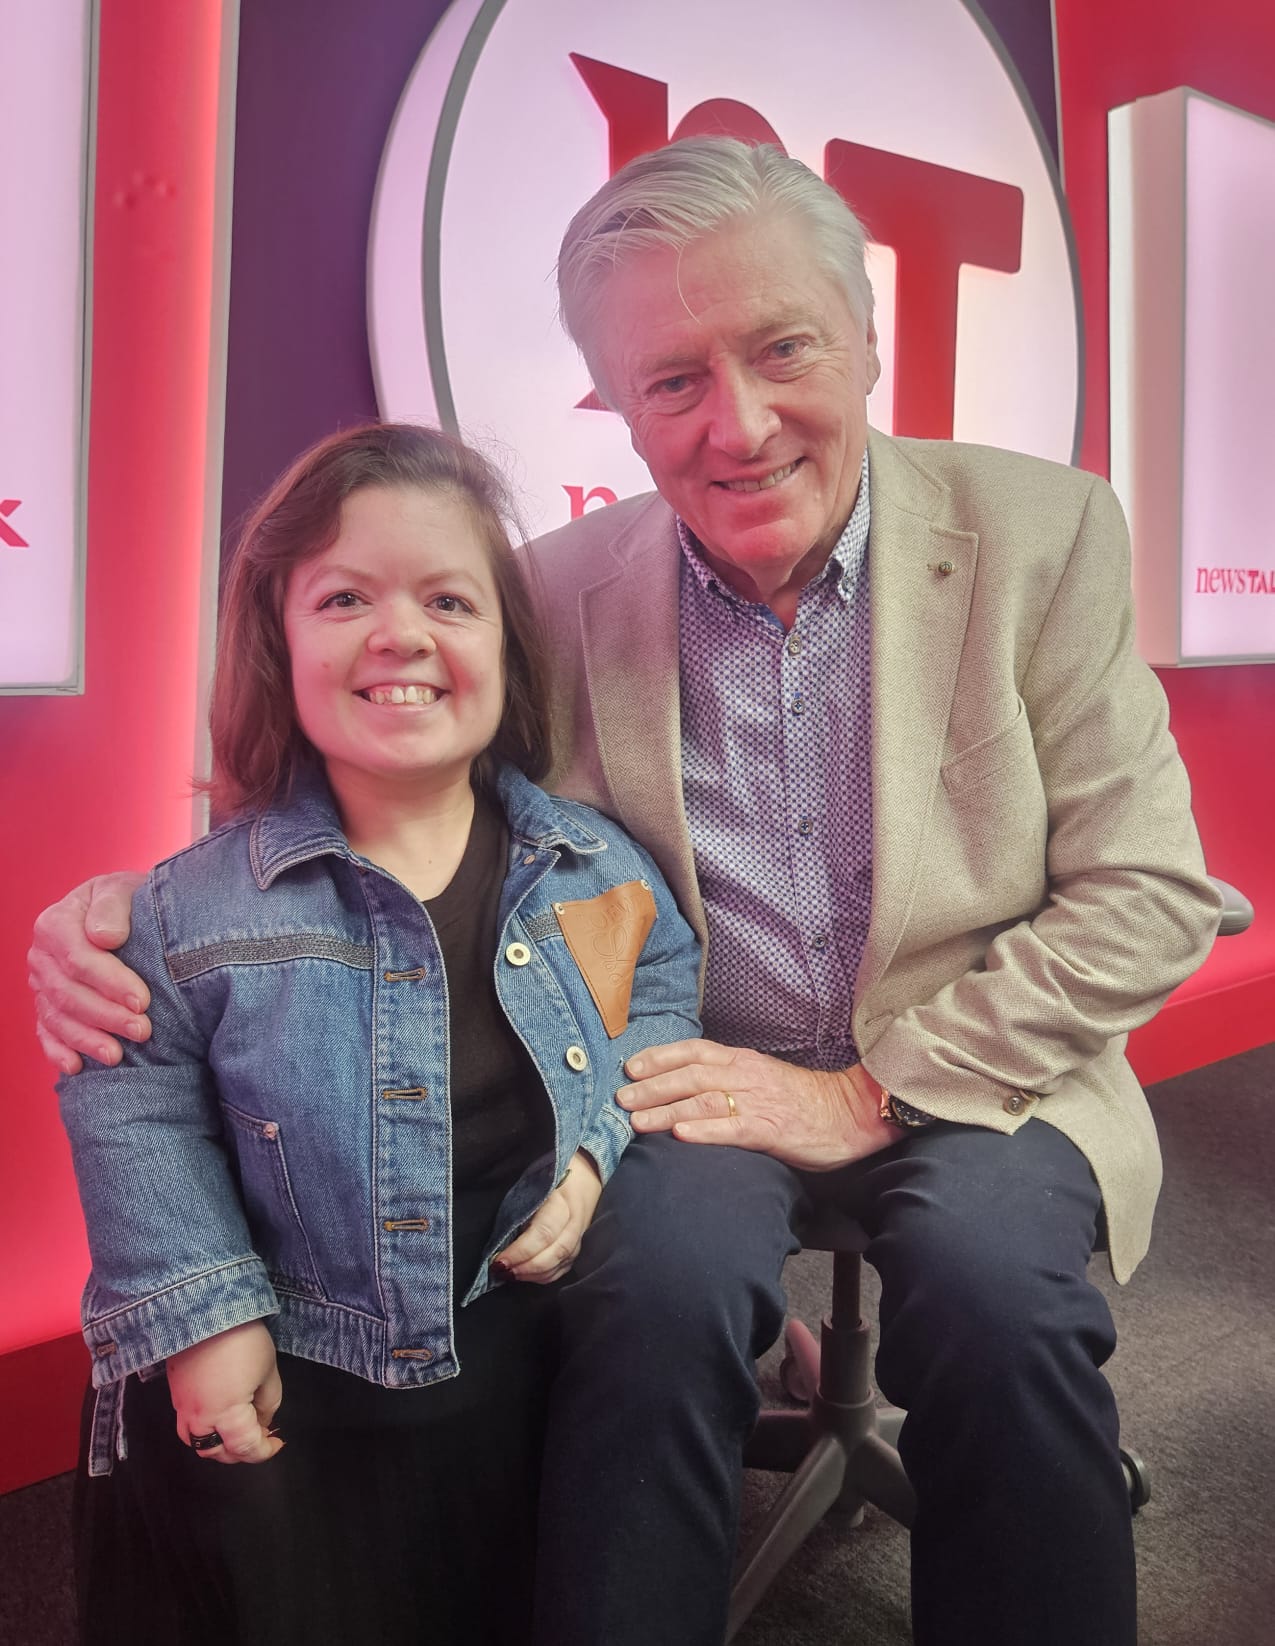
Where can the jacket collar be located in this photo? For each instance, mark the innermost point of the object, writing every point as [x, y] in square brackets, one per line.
[307, 826]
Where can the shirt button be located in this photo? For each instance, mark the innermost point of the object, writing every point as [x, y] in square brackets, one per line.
[530, 858]
[577, 1058]
[794, 644]
[806, 825]
[1015, 1103]
[799, 704]
[517, 954]
[819, 942]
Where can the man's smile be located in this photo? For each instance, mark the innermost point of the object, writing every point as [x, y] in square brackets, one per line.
[774, 478]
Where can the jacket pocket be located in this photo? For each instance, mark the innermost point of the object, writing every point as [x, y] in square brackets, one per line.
[974, 765]
[605, 935]
[273, 1218]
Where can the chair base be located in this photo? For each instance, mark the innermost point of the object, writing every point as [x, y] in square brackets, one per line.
[840, 1451]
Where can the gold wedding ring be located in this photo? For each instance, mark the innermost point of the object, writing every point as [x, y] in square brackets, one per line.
[731, 1105]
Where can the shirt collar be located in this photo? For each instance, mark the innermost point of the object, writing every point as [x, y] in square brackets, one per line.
[848, 555]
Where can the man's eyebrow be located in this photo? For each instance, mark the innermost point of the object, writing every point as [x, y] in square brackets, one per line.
[667, 365]
[775, 325]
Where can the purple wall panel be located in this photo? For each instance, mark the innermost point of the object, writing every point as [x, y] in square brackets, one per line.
[318, 85]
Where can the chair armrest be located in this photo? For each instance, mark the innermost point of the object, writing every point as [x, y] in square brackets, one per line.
[1237, 911]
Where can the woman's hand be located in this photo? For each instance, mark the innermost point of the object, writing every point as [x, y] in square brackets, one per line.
[550, 1243]
[229, 1384]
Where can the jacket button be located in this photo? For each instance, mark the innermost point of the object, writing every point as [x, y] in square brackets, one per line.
[517, 954]
[1015, 1103]
[577, 1058]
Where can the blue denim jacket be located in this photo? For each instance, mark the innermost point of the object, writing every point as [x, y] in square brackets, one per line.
[280, 1147]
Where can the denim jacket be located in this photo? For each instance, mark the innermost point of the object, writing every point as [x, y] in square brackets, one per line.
[280, 1147]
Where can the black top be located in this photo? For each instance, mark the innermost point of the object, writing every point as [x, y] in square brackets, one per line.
[501, 1118]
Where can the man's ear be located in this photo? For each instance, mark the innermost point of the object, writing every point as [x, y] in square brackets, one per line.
[874, 359]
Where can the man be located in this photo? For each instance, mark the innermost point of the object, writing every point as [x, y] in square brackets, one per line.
[873, 705]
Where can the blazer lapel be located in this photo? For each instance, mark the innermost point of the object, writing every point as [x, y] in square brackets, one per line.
[921, 576]
[629, 623]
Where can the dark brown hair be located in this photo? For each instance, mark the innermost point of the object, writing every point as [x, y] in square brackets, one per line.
[258, 746]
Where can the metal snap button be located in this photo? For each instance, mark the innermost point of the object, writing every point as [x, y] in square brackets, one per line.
[517, 954]
[577, 1058]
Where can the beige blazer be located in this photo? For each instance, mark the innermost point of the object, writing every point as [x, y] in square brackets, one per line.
[1038, 887]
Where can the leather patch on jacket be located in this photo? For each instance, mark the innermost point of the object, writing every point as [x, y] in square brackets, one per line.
[605, 935]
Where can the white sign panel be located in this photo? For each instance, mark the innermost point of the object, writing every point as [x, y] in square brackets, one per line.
[518, 110]
[1192, 209]
[46, 51]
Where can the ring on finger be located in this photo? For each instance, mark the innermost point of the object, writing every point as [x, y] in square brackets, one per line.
[206, 1443]
[732, 1107]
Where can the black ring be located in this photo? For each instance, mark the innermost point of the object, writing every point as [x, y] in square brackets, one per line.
[205, 1443]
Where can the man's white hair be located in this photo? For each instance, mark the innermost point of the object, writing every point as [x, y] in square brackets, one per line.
[677, 194]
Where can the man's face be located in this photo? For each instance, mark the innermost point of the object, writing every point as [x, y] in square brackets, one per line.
[743, 375]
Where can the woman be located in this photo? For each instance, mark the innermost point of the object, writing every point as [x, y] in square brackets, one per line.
[392, 998]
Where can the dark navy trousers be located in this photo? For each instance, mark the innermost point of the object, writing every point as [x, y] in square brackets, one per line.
[991, 1338]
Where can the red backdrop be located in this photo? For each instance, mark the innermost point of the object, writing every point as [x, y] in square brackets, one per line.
[1110, 52]
[104, 779]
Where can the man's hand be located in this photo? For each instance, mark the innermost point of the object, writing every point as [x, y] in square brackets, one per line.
[80, 988]
[706, 1093]
[550, 1243]
[229, 1384]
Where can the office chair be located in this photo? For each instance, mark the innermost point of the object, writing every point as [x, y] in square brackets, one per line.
[841, 1448]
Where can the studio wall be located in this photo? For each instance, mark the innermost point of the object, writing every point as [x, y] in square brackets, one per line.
[103, 780]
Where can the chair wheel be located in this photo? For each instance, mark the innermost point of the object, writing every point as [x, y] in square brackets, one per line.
[1137, 1477]
[792, 1382]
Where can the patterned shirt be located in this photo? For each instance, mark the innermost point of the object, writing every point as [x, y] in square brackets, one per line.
[777, 784]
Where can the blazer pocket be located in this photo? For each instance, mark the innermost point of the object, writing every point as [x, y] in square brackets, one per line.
[972, 766]
[604, 935]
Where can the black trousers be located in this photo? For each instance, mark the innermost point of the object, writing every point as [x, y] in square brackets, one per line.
[390, 1515]
[991, 1338]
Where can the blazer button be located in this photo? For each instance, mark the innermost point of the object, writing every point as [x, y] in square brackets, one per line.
[1015, 1103]
[517, 954]
[577, 1058]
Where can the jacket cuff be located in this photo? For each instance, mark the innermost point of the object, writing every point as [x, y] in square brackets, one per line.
[141, 1334]
[607, 1138]
[916, 1068]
